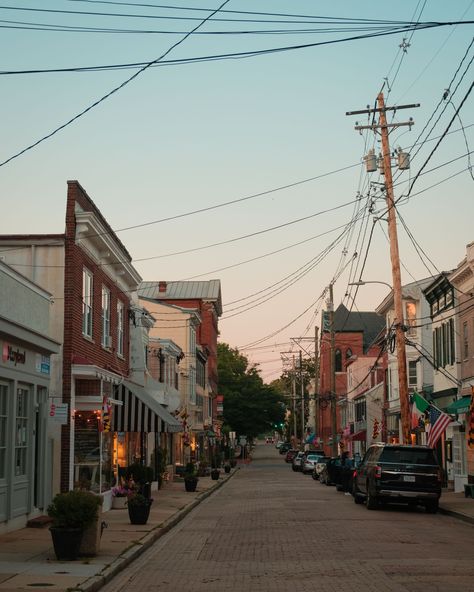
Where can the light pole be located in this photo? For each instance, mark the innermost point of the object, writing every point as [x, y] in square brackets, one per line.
[363, 283]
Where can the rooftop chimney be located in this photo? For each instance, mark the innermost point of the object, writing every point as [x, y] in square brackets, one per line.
[162, 287]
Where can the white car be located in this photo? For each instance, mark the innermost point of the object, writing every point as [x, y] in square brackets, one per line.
[310, 462]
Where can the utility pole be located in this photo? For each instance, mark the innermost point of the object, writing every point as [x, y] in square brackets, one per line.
[333, 373]
[384, 127]
[302, 398]
[316, 381]
[293, 384]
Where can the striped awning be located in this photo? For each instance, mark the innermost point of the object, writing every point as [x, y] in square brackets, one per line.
[140, 412]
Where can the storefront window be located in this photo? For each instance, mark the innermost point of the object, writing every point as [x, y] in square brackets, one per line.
[3, 428]
[21, 431]
[93, 469]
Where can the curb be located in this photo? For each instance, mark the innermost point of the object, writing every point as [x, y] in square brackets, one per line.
[96, 582]
[458, 515]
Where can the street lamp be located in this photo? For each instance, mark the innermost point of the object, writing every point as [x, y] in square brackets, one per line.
[362, 283]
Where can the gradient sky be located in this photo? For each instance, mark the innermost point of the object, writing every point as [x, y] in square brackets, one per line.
[180, 138]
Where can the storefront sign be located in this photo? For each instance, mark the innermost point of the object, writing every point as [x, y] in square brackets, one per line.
[12, 354]
[42, 364]
[58, 413]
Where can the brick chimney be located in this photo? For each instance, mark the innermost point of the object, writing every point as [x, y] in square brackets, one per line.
[162, 287]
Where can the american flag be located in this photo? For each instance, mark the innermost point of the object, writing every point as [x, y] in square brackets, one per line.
[439, 421]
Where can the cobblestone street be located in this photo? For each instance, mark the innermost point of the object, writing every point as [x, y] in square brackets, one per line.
[272, 529]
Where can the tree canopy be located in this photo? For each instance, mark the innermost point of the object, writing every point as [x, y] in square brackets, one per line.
[250, 406]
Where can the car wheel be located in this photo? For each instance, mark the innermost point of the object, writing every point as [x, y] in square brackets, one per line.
[314, 476]
[358, 498]
[294, 468]
[372, 501]
[432, 507]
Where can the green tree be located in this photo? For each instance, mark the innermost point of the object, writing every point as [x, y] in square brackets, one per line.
[250, 406]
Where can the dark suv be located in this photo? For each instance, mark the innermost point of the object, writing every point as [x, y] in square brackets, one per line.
[398, 473]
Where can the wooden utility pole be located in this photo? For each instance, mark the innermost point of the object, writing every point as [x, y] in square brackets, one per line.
[316, 382]
[293, 396]
[333, 373]
[302, 398]
[384, 127]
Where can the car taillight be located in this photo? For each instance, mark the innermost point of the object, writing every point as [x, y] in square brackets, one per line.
[378, 472]
[440, 476]
[354, 474]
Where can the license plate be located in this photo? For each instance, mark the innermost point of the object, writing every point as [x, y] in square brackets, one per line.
[410, 478]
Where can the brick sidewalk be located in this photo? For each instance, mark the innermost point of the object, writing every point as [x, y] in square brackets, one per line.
[27, 559]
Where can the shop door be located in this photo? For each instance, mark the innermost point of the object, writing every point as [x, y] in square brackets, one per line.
[4, 451]
[459, 460]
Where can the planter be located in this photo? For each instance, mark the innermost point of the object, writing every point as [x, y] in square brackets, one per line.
[119, 503]
[66, 542]
[190, 484]
[215, 474]
[227, 468]
[91, 536]
[139, 514]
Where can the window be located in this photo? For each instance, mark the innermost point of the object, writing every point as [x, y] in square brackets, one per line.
[87, 287]
[21, 432]
[451, 341]
[338, 360]
[410, 311]
[465, 341]
[3, 429]
[106, 339]
[348, 353]
[120, 327]
[412, 376]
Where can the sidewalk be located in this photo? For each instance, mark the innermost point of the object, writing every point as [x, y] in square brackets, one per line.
[28, 562]
[455, 504]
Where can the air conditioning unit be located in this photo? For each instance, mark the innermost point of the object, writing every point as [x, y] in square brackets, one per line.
[108, 341]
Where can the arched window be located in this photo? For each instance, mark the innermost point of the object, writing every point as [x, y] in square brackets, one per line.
[348, 353]
[338, 360]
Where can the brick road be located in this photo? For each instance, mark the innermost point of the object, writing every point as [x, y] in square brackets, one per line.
[270, 529]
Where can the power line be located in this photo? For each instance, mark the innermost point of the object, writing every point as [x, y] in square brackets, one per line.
[115, 89]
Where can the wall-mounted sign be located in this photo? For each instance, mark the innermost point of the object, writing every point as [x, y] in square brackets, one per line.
[42, 364]
[13, 354]
[58, 413]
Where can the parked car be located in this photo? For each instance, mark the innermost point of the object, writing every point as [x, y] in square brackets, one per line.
[398, 473]
[297, 463]
[280, 443]
[290, 455]
[345, 476]
[330, 473]
[284, 448]
[319, 466]
[310, 459]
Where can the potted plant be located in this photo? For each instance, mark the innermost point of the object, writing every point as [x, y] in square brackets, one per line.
[119, 496]
[227, 468]
[138, 507]
[141, 475]
[72, 512]
[190, 477]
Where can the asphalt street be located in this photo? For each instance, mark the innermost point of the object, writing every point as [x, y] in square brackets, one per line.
[270, 529]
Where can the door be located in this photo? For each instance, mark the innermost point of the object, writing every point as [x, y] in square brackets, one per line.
[459, 460]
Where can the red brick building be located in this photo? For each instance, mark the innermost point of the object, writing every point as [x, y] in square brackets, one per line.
[355, 335]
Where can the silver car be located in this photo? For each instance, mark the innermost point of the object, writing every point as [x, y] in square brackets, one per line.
[297, 462]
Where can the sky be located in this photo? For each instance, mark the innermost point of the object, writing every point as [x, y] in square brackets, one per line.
[271, 128]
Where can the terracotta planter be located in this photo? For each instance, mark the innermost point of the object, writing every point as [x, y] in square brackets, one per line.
[66, 542]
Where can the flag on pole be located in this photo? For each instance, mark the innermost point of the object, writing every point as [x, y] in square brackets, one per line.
[439, 421]
[419, 407]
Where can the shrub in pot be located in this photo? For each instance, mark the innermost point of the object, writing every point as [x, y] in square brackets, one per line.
[141, 475]
[138, 508]
[190, 477]
[72, 512]
[215, 474]
[227, 468]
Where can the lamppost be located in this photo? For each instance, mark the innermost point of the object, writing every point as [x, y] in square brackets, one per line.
[362, 283]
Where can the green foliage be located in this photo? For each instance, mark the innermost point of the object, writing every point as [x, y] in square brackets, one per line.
[250, 406]
[138, 500]
[190, 471]
[141, 474]
[74, 509]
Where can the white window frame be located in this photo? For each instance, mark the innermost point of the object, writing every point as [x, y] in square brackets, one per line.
[120, 327]
[106, 337]
[87, 302]
[410, 317]
[412, 384]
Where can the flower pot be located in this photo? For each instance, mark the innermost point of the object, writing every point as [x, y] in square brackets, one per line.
[91, 536]
[215, 474]
[119, 503]
[66, 542]
[227, 468]
[139, 514]
[190, 484]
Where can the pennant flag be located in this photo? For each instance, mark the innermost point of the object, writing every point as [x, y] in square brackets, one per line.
[418, 409]
[439, 421]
